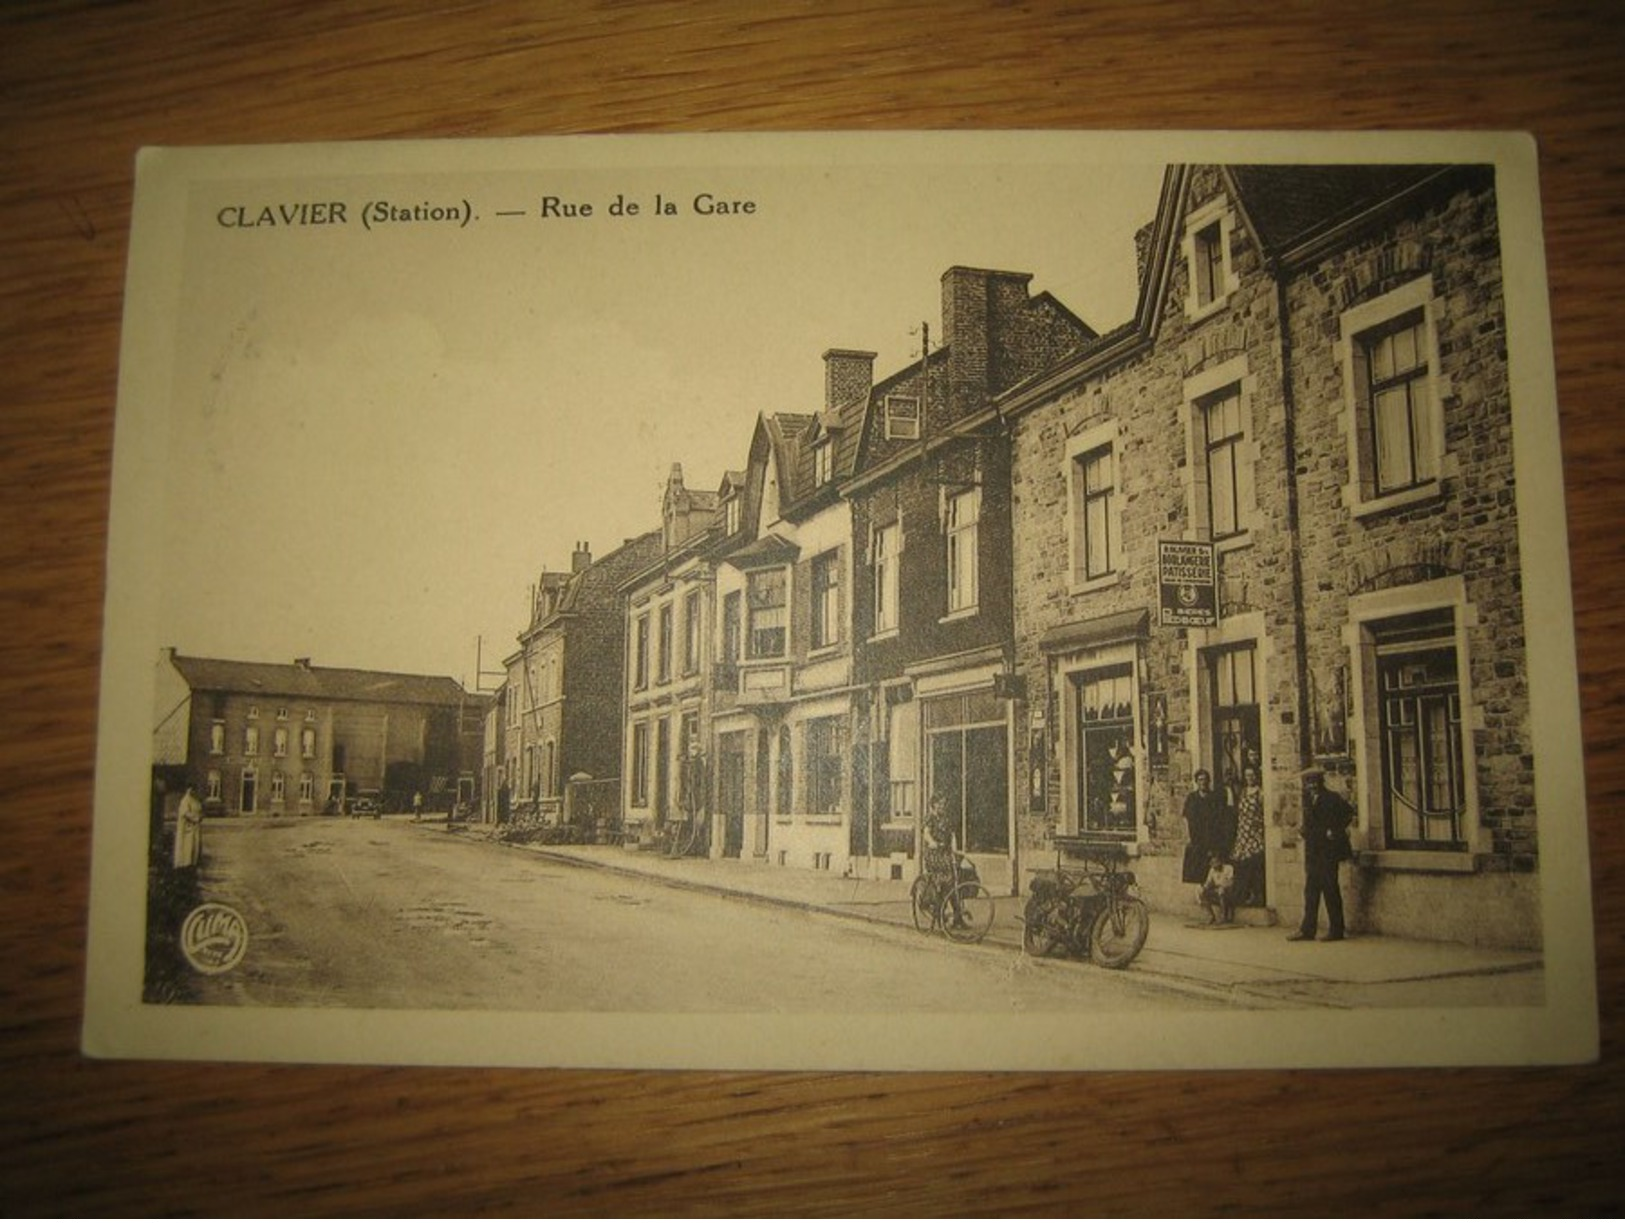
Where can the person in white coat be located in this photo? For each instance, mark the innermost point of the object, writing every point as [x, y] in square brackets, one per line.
[188, 830]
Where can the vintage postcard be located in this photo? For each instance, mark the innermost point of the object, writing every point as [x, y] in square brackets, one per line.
[914, 600]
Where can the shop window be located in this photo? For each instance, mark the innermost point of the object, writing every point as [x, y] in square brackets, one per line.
[1424, 802]
[1106, 797]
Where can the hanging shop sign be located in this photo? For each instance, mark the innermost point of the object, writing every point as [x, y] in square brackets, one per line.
[1188, 583]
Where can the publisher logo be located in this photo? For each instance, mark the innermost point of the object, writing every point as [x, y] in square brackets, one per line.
[214, 938]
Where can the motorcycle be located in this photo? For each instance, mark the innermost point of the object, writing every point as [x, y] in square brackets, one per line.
[1087, 913]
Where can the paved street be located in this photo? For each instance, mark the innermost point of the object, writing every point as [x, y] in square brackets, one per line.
[387, 914]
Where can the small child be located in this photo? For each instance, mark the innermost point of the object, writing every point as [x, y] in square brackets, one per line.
[1221, 876]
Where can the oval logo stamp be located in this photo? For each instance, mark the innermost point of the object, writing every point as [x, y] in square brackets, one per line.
[214, 938]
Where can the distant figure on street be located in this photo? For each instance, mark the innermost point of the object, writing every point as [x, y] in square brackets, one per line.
[417, 806]
[1247, 853]
[1326, 819]
[188, 831]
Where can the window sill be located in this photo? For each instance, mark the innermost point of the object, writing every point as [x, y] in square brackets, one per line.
[894, 826]
[1107, 581]
[823, 821]
[885, 634]
[824, 651]
[1200, 314]
[964, 613]
[1422, 494]
[1421, 861]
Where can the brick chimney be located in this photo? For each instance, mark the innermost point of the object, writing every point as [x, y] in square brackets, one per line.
[581, 558]
[849, 375]
[982, 316]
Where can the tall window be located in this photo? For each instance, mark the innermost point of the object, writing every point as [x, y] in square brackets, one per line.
[307, 788]
[1094, 488]
[963, 511]
[826, 764]
[1223, 430]
[1207, 248]
[693, 625]
[279, 787]
[663, 657]
[787, 773]
[640, 652]
[886, 569]
[765, 590]
[217, 739]
[730, 514]
[251, 741]
[1424, 791]
[279, 741]
[211, 786]
[731, 627]
[1393, 363]
[307, 743]
[826, 599]
[640, 764]
[823, 462]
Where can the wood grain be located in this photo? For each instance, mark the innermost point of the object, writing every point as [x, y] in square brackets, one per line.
[82, 86]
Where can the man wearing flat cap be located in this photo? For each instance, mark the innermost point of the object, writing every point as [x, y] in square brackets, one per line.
[1326, 819]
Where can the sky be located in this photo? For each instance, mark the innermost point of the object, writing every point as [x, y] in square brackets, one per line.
[380, 434]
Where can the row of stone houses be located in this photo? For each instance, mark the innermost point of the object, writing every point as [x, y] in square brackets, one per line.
[1040, 575]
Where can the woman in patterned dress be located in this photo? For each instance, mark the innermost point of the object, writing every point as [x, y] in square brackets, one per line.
[1248, 852]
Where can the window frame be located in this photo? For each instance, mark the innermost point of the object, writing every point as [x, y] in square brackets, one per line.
[961, 519]
[902, 426]
[752, 610]
[886, 569]
[1220, 275]
[1080, 450]
[1357, 326]
[1230, 381]
[824, 595]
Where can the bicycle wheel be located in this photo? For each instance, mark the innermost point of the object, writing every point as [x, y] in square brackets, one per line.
[967, 913]
[922, 899]
[1119, 933]
[1038, 936]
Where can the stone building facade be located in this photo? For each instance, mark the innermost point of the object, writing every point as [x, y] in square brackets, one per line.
[297, 739]
[563, 693]
[931, 533]
[1313, 393]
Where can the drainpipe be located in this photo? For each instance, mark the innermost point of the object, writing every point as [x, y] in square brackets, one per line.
[1300, 632]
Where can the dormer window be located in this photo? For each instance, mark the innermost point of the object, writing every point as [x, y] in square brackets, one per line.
[730, 515]
[1207, 257]
[823, 462]
[902, 417]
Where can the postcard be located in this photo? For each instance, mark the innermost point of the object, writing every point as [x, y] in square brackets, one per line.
[857, 601]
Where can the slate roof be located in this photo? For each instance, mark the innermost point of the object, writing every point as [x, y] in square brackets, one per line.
[1289, 205]
[296, 681]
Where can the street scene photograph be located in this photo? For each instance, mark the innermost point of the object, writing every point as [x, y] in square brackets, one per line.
[1109, 594]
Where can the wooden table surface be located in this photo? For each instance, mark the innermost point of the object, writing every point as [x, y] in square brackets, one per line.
[82, 86]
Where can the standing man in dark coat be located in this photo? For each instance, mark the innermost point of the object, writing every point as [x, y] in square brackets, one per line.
[1326, 819]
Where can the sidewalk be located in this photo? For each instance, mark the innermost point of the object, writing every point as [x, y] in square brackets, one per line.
[1253, 965]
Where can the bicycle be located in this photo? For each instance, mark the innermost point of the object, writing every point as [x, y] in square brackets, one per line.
[953, 901]
[1105, 923]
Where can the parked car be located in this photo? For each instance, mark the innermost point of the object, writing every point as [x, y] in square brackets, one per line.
[367, 802]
